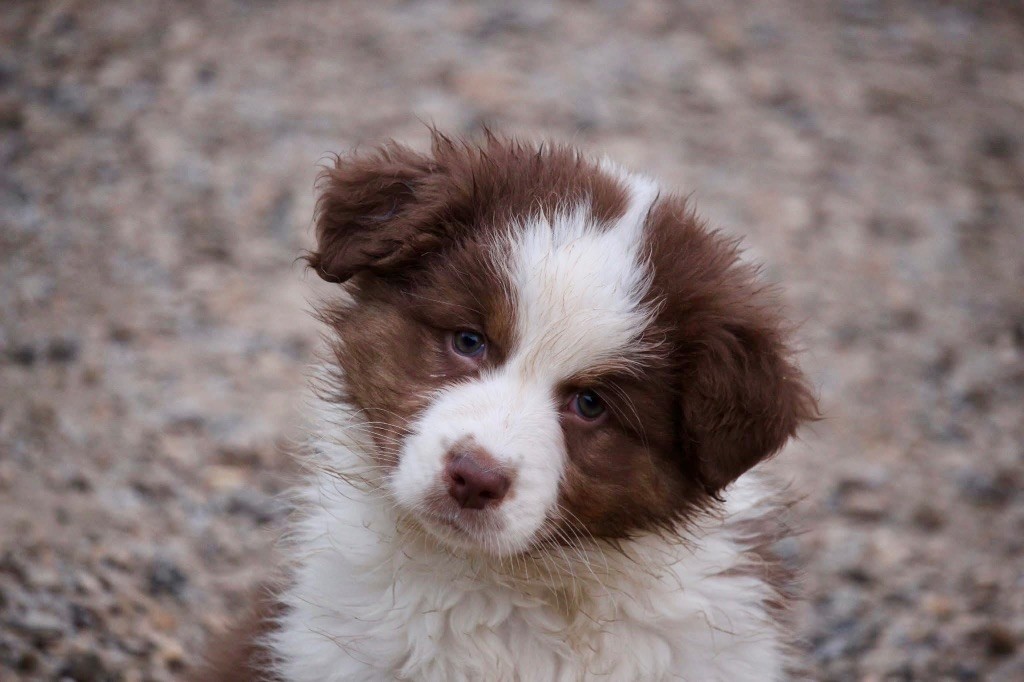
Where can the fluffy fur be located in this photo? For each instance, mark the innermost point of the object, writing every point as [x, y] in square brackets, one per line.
[627, 546]
[375, 599]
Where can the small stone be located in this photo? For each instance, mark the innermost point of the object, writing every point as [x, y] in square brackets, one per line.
[860, 497]
[12, 115]
[848, 556]
[278, 217]
[966, 672]
[87, 583]
[84, 666]
[78, 482]
[45, 578]
[846, 638]
[938, 606]
[163, 619]
[998, 640]
[36, 289]
[10, 564]
[1009, 671]
[864, 505]
[928, 518]
[490, 90]
[766, 85]
[122, 334]
[845, 603]
[985, 489]
[27, 662]
[166, 578]
[92, 376]
[889, 101]
[261, 508]
[223, 478]
[861, 11]
[169, 652]
[82, 617]
[24, 355]
[62, 351]
[999, 144]
[726, 36]
[42, 628]
[206, 73]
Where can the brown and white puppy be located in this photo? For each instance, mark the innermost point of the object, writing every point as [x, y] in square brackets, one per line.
[546, 380]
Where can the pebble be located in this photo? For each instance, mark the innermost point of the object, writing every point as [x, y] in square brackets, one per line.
[999, 144]
[988, 489]
[24, 355]
[225, 478]
[864, 504]
[84, 666]
[62, 351]
[83, 617]
[726, 36]
[45, 578]
[861, 11]
[928, 517]
[169, 652]
[262, 509]
[40, 626]
[1009, 671]
[938, 606]
[999, 641]
[165, 578]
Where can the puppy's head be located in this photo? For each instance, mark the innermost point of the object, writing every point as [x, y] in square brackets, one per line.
[545, 347]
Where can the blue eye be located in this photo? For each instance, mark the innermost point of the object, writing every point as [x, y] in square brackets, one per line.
[468, 343]
[588, 404]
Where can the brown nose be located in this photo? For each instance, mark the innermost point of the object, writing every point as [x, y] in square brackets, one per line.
[475, 481]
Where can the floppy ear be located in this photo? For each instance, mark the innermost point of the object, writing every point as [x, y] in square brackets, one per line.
[376, 212]
[743, 397]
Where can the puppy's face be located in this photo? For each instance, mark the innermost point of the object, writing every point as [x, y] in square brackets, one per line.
[544, 347]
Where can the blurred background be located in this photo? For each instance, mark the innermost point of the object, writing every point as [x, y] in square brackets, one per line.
[156, 170]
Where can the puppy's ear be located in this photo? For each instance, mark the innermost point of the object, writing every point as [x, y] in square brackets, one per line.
[742, 396]
[376, 212]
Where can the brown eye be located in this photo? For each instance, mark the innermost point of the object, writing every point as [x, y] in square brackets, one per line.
[588, 405]
[468, 343]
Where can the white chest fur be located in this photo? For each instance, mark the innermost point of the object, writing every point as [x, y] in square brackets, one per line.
[374, 599]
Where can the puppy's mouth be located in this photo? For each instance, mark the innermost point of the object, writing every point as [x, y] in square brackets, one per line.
[463, 528]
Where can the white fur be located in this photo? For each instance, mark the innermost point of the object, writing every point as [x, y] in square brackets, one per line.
[376, 598]
[578, 289]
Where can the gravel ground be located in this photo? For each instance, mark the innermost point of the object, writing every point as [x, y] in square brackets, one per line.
[156, 168]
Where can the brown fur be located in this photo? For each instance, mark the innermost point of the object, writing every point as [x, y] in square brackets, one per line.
[239, 655]
[740, 395]
[414, 235]
[418, 232]
[383, 211]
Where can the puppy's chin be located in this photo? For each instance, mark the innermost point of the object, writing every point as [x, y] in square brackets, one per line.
[484, 533]
[456, 536]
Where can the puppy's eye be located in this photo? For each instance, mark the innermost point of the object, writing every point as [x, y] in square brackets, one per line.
[588, 405]
[468, 343]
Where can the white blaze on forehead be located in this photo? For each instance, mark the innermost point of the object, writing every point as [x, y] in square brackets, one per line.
[579, 288]
[579, 285]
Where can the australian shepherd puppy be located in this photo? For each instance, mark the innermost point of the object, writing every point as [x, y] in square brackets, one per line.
[546, 385]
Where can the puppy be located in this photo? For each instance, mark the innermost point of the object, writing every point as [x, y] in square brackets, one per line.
[546, 383]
